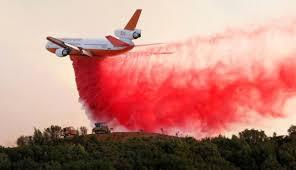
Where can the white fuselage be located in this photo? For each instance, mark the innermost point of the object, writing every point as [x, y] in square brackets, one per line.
[92, 44]
[98, 47]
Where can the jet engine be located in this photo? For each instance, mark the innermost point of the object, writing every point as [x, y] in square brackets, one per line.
[128, 34]
[137, 34]
[62, 52]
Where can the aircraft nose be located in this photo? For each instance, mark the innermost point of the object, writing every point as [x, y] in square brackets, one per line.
[49, 47]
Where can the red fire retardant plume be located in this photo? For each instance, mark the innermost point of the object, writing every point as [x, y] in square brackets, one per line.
[205, 85]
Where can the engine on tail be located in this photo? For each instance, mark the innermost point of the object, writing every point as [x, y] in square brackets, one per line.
[62, 52]
[128, 34]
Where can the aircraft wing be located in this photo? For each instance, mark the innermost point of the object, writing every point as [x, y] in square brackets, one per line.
[74, 49]
[116, 42]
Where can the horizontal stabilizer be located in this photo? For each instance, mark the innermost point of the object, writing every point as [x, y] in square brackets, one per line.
[116, 42]
[143, 45]
[145, 53]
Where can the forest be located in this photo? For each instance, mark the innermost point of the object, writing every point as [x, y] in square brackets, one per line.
[250, 149]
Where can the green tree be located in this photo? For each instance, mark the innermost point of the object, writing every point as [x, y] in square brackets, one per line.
[292, 130]
[24, 140]
[253, 136]
[4, 161]
[251, 150]
[53, 133]
[38, 137]
[271, 163]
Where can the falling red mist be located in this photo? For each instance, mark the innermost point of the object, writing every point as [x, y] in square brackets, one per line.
[207, 84]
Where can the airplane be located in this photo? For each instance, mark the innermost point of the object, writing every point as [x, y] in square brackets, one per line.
[110, 46]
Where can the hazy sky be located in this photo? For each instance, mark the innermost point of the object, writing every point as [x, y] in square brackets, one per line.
[38, 89]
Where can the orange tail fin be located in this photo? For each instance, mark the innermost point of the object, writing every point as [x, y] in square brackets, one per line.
[131, 25]
[116, 42]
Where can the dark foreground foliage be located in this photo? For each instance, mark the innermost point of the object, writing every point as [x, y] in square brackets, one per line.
[252, 149]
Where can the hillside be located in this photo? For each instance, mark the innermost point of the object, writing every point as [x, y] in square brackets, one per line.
[124, 136]
[251, 149]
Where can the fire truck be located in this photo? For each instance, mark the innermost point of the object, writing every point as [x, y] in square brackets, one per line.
[69, 132]
[101, 128]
